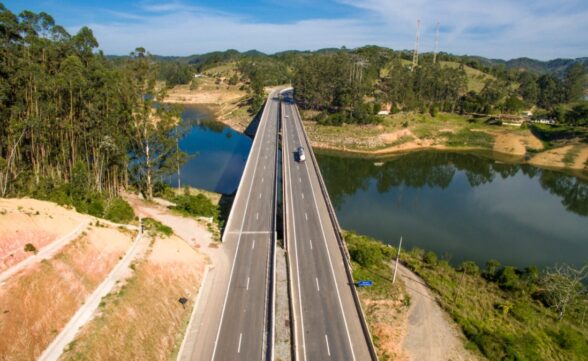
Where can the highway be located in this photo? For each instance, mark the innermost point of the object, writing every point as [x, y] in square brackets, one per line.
[246, 325]
[327, 323]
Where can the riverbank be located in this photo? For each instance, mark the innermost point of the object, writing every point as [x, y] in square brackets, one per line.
[408, 132]
[435, 310]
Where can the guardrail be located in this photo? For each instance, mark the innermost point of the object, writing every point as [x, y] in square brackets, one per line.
[341, 242]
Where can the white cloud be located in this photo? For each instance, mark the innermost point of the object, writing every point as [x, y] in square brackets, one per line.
[542, 29]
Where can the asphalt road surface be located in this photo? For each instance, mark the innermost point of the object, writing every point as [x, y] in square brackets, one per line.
[326, 322]
[245, 331]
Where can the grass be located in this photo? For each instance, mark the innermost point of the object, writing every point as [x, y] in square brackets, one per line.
[503, 323]
[468, 138]
[384, 303]
[36, 304]
[572, 154]
[144, 320]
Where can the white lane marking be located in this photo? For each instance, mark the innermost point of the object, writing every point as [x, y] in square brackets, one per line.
[310, 240]
[252, 232]
[328, 255]
[248, 279]
[261, 180]
[327, 341]
[306, 215]
[302, 195]
[253, 245]
[288, 170]
[317, 285]
[299, 180]
[239, 347]
[264, 167]
[259, 195]
[256, 215]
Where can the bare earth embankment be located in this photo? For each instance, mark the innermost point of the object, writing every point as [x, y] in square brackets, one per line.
[31, 221]
[226, 101]
[406, 132]
[37, 302]
[143, 319]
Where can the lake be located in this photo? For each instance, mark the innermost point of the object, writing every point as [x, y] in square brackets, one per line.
[218, 153]
[463, 206]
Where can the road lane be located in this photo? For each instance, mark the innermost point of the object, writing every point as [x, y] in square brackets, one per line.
[322, 299]
[243, 332]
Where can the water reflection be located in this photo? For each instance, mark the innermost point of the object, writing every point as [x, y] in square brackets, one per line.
[469, 206]
[218, 153]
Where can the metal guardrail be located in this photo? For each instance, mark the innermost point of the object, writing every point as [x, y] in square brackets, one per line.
[341, 242]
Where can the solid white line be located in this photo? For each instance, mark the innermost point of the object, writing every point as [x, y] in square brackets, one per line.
[327, 341]
[328, 254]
[251, 232]
[302, 195]
[253, 245]
[317, 285]
[247, 288]
[297, 263]
[310, 240]
[306, 215]
[239, 347]
[237, 248]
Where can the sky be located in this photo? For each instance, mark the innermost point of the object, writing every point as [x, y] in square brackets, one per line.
[540, 29]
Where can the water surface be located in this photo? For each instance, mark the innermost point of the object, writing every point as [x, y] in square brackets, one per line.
[218, 153]
[463, 206]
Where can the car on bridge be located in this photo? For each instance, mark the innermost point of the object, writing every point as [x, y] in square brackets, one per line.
[300, 153]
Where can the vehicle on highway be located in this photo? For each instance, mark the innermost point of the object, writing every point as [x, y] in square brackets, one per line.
[300, 153]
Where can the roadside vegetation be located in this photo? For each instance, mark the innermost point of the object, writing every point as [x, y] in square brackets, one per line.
[506, 313]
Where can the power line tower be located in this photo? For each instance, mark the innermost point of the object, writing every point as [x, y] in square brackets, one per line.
[436, 43]
[415, 55]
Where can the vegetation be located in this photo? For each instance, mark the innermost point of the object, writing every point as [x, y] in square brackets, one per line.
[505, 313]
[75, 122]
[156, 227]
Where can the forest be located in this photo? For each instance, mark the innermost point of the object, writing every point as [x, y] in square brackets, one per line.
[76, 126]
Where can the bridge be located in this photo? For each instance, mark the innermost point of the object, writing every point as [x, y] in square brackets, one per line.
[236, 319]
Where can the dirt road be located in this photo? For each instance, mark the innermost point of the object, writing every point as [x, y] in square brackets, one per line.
[431, 335]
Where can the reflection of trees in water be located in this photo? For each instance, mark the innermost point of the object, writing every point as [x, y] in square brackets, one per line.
[573, 191]
[345, 176]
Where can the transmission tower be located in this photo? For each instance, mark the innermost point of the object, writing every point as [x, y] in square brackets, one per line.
[436, 43]
[415, 55]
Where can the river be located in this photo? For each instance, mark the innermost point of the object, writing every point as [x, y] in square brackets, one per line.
[461, 206]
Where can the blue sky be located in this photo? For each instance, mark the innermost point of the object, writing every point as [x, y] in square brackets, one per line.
[542, 29]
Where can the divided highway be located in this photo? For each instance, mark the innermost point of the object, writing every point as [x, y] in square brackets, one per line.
[327, 322]
[246, 323]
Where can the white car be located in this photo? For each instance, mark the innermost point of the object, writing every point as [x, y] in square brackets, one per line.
[301, 156]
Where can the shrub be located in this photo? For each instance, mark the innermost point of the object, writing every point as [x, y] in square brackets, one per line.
[508, 279]
[364, 251]
[430, 258]
[29, 247]
[198, 205]
[119, 211]
[157, 227]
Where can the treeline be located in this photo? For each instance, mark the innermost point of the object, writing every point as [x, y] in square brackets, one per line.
[349, 86]
[75, 123]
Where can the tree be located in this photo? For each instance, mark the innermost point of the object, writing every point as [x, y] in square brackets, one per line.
[564, 286]
[574, 82]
